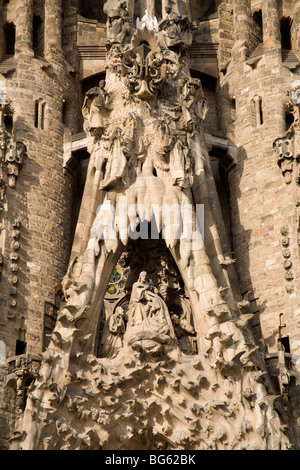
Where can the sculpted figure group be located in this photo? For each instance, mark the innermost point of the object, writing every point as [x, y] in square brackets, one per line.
[148, 324]
[146, 66]
[198, 382]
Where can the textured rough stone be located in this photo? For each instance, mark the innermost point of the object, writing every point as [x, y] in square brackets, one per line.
[104, 109]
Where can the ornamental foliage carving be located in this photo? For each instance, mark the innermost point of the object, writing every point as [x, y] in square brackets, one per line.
[152, 348]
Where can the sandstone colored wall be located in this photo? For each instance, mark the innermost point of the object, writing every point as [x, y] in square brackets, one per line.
[243, 67]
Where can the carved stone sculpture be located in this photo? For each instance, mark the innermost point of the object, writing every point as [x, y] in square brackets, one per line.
[149, 324]
[193, 381]
[176, 29]
[96, 102]
[14, 156]
[183, 331]
[147, 21]
[285, 155]
[112, 338]
[118, 21]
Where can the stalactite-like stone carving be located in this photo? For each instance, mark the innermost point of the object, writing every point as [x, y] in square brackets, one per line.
[165, 377]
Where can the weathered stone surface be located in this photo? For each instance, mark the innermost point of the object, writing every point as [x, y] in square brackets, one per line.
[109, 113]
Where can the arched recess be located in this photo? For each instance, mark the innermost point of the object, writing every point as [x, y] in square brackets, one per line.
[98, 263]
[163, 278]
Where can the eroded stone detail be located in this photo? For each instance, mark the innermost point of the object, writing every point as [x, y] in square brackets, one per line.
[285, 155]
[286, 147]
[151, 387]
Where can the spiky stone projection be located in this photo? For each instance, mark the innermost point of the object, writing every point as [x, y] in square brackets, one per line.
[145, 390]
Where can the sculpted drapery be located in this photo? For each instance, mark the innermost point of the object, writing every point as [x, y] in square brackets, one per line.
[146, 391]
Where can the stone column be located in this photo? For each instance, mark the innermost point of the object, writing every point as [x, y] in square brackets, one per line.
[271, 24]
[241, 9]
[241, 31]
[53, 29]
[24, 26]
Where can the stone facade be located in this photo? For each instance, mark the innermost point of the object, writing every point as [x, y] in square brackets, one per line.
[129, 343]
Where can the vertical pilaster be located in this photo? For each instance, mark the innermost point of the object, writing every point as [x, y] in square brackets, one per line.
[53, 29]
[242, 9]
[271, 24]
[241, 30]
[24, 25]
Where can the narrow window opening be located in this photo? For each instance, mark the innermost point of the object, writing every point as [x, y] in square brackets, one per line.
[36, 114]
[139, 9]
[257, 110]
[20, 347]
[257, 16]
[40, 115]
[260, 112]
[285, 31]
[103, 168]
[232, 102]
[38, 36]
[43, 110]
[64, 112]
[10, 38]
